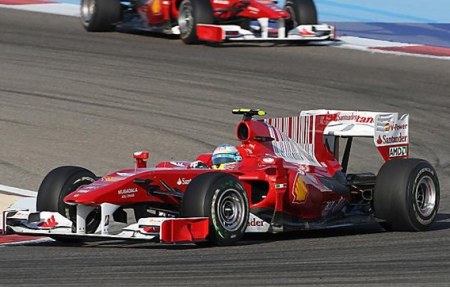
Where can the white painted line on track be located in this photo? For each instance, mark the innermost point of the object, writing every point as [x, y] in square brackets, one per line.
[370, 45]
[27, 242]
[53, 8]
[17, 191]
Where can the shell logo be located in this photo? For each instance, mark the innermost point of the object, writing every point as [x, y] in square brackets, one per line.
[156, 7]
[300, 191]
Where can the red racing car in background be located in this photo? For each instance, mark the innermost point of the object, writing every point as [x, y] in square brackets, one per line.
[285, 176]
[209, 20]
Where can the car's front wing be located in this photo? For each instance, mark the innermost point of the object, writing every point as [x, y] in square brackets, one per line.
[155, 229]
[265, 32]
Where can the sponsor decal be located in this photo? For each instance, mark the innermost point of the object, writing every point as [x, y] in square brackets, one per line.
[223, 2]
[268, 160]
[255, 222]
[183, 181]
[392, 139]
[107, 220]
[280, 185]
[399, 151]
[299, 190]
[395, 127]
[21, 214]
[354, 117]
[127, 192]
[111, 178]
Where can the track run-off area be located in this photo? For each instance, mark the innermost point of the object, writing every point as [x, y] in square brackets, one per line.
[68, 97]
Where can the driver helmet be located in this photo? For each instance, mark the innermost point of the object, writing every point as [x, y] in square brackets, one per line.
[225, 156]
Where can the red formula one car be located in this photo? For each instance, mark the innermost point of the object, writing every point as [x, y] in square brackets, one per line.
[284, 175]
[209, 20]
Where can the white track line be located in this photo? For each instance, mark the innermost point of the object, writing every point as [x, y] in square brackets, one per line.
[53, 8]
[28, 242]
[17, 191]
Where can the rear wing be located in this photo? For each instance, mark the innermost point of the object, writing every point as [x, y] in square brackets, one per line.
[318, 131]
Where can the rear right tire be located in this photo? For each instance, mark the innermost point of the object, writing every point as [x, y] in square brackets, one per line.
[406, 195]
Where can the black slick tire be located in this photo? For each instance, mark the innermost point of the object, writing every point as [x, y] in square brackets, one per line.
[221, 198]
[191, 13]
[60, 182]
[303, 12]
[406, 195]
[100, 15]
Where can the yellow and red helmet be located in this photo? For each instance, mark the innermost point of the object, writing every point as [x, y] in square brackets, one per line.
[225, 156]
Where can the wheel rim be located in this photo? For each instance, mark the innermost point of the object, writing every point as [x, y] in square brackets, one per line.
[87, 10]
[185, 19]
[231, 210]
[425, 196]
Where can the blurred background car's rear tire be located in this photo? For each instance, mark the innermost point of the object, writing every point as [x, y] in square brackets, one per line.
[100, 15]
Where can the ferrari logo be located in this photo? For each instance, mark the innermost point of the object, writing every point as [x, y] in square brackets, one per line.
[299, 190]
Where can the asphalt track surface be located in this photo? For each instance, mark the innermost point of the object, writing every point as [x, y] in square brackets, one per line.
[71, 97]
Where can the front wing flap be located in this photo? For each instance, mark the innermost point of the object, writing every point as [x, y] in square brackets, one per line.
[154, 229]
[264, 32]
